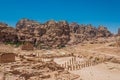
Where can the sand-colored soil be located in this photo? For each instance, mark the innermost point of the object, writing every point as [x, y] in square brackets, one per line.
[104, 71]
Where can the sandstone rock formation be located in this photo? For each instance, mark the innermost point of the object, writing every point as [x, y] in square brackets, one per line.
[103, 32]
[7, 33]
[57, 34]
[80, 33]
[26, 30]
[50, 34]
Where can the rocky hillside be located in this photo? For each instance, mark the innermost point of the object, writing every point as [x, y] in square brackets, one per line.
[7, 33]
[50, 34]
[47, 35]
[80, 33]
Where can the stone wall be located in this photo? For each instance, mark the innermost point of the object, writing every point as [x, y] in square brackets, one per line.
[7, 57]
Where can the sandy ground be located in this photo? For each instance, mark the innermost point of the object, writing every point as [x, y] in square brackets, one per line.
[1, 75]
[104, 71]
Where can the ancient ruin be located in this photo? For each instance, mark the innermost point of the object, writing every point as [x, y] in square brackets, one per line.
[58, 51]
[7, 57]
[27, 46]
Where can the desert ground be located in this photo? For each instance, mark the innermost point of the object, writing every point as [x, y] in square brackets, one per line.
[87, 61]
[102, 71]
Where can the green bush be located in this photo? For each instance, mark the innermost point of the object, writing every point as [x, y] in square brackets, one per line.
[17, 44]
[61, 46]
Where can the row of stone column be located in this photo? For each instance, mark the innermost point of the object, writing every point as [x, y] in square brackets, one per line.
[76, 65]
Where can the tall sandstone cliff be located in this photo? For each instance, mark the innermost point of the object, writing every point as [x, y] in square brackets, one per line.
[50, 34]
[7, 33]
[80, 33]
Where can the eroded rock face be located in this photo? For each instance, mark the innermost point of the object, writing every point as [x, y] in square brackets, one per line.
[7, 33]
[57, 34]
[103, 32]
[27, 30]
[50, 34]
[80, 33]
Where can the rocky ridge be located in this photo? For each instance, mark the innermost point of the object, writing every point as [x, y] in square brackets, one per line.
[51, 34]
[80, 33]
[7, 33]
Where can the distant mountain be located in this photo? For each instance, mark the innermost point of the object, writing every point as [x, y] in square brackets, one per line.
[50, 34]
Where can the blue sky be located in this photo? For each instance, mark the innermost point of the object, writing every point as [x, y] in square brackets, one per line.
[95, 12]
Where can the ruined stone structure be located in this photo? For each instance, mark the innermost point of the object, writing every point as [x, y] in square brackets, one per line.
[73, 64]
[7, 57]
[27, 46]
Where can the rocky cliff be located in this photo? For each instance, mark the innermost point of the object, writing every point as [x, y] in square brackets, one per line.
[7, 33]
[51, 34]
[80, 33]
[47, 35]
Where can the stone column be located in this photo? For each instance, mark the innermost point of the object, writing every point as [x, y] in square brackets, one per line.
[73, 67]
[65, 64]
[77, 67]
[70, 68]
[70, 62]
[88, 63]
[74, 59]
[82, 65]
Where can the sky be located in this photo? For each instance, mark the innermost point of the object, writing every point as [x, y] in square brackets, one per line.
[95, 12]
